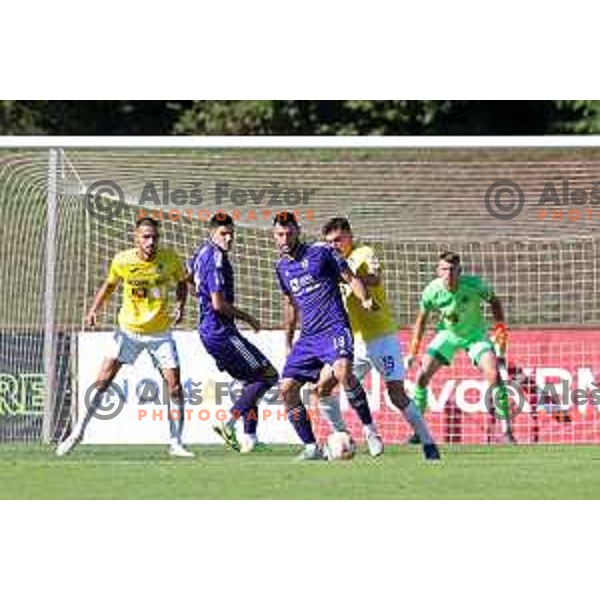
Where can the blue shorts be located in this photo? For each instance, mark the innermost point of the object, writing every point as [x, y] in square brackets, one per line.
[235, 355]
[311, 352]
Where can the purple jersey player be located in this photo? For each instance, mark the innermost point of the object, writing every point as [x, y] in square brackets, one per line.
[309, 276]
[212, 275]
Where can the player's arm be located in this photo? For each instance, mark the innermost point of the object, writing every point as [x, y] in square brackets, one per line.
[290, 311]
[290, 321]
[104, 293]
[189, 268]
[359, 289]
[191, 284]
[372, 277]
[216, 286]
[417, 337]
[181, 294]
[500, 330]
[356, 284]
[222, 306]
[181, 277]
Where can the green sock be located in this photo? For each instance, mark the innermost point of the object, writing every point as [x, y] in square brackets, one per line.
[501, 404]
[420, 398]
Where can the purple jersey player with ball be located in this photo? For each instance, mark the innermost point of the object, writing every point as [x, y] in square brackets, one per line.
[309, 276]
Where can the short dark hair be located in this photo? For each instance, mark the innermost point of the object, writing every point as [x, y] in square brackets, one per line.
[285, 218]
[337, 224]
[450, 257]
[146, 221]
[220, 219]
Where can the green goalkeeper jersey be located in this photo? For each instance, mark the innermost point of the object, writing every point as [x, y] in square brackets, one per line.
[460, 310]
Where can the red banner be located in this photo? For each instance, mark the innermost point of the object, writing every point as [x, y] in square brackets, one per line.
[555, 369]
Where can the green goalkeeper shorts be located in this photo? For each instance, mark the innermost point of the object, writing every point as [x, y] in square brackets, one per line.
[446, 344]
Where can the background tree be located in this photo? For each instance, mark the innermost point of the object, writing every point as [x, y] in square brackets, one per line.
[299, 117]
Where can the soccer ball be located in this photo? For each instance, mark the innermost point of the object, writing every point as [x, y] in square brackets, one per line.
[339, 446]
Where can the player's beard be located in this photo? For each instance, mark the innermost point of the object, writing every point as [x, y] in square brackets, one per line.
[291, 250]
[148, 253]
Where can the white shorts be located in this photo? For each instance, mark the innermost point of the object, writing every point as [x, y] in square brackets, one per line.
[384, 353]
[128, 346]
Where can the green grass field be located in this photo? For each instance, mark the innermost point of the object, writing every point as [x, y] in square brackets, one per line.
[147, 472]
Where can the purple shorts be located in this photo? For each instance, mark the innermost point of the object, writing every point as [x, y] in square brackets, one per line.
[311, 352]
[235, 355]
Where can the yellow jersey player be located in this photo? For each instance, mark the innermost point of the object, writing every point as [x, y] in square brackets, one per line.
[147, 273]
[376, 341]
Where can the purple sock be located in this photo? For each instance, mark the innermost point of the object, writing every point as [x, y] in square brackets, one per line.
[248, 403]
[251, 420]
[357, 397]
[300, 421]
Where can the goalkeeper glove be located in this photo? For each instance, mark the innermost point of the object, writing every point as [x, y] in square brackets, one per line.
[500, 335]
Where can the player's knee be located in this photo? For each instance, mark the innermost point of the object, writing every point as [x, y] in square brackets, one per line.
[492, 375]
[489, 368]
[397, 394]
[487, 360]
[324, 389]
[284, 387]
[345, 377]
[342, 369]
[289, 399]
[287, 393]
[108, 371]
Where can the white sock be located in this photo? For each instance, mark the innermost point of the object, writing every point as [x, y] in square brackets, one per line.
[79, 427]
[175, 426]
[413, 416]
[330, 405]
[371, 428]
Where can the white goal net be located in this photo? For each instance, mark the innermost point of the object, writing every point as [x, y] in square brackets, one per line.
[410, 204]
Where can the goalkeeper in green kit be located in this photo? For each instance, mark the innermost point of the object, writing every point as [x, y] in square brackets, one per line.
[458, 300]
